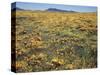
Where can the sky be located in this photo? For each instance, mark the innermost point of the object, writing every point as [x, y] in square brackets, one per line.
[44, 6]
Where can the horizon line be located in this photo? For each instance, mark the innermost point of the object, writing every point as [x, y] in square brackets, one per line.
[44, 6]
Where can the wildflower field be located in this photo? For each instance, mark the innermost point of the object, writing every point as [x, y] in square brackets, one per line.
[47, 41]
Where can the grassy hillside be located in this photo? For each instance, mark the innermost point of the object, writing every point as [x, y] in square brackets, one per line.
[55, 41]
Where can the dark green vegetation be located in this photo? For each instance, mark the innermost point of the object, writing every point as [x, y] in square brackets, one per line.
[55, 41]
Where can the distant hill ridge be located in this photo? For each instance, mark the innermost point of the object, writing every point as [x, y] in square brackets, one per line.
[58, 10]
[49, 9]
